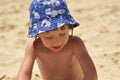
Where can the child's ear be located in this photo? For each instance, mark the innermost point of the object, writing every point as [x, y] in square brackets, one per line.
[36, 37]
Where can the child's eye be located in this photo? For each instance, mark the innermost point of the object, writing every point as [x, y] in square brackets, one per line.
[48, 37]
[62, 34]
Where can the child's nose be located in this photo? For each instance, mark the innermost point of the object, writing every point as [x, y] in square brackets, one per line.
[57, 41]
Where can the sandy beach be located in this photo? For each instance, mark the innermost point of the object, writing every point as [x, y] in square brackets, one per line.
[99, 28]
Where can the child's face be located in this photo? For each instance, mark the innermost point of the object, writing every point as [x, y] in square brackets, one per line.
[55, 40]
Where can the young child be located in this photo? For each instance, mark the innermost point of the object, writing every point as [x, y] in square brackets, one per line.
[59, 55]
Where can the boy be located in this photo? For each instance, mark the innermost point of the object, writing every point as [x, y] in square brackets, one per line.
[59, 55]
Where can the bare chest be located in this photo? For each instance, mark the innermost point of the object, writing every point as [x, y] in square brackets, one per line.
[56, 61]
[56, 66]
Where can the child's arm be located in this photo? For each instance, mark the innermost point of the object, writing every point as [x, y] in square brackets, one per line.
[25, 71]
[84, 59]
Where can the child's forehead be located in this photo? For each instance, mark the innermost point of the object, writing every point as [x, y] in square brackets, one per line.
[51, 32]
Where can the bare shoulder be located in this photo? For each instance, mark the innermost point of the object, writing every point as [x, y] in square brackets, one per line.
[76, 40]
[32, 44]
[78, 44]
[30, 50]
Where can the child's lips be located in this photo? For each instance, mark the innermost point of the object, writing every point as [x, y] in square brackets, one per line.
[57, 47]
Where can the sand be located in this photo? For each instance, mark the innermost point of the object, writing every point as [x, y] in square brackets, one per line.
[99, 28]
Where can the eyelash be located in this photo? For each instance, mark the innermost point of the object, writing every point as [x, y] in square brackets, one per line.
[49, 37]
[62, 34]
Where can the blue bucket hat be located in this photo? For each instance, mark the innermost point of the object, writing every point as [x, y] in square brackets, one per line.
[46, 15]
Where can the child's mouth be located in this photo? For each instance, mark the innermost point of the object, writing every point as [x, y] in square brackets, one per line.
[57, 47]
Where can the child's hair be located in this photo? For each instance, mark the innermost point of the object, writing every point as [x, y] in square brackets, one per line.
[71, 28]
